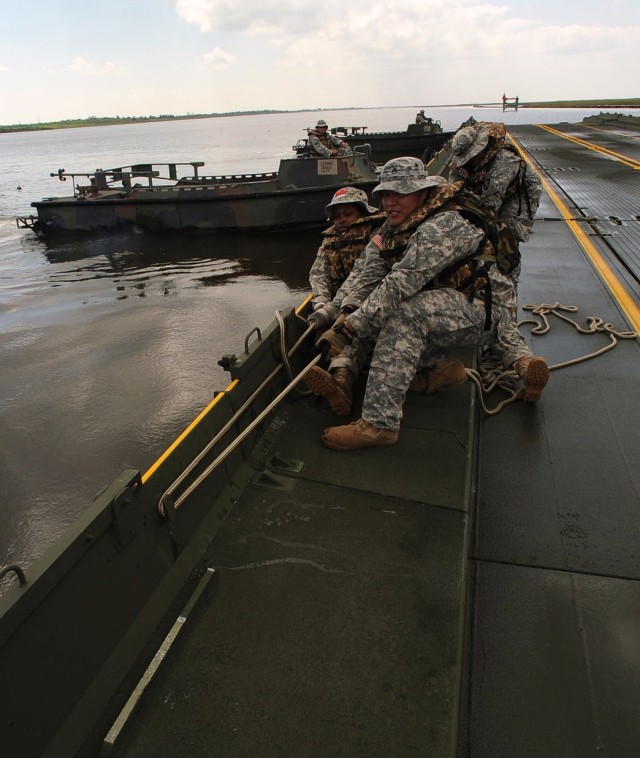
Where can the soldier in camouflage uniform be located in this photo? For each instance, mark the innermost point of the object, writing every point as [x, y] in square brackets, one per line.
[396, 300]
[340, 254]
[491, 168]
[353, 222]
[325, 144]
[335, 384]
[494, 170]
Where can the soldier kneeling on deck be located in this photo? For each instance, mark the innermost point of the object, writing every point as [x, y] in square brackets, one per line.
[425, 286]
[491, 167]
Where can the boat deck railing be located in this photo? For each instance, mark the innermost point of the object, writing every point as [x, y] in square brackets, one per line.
[103, 179]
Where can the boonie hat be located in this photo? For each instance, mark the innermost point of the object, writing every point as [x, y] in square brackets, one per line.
[468, 143]
[321, 122]
[350, 195]
[405, 175]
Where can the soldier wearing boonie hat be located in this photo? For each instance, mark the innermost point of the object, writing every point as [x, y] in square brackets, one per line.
[343, 242]
[494, 170]
[350, 195]
[469, 142]
[411, 299]
[405, 175]
[354, 222]
[325, 144]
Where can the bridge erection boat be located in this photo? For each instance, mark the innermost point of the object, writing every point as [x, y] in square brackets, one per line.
[294, 197]
[418, 140]
[472, 591]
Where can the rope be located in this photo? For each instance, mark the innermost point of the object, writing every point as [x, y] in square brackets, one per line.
[492, 375]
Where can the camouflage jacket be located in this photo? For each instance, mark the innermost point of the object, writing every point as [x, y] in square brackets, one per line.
[438, 243]
[496, 180]
[337, 256]
[323, 144]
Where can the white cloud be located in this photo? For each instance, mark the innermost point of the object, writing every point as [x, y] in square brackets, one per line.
[578, 40]
[217, 58]
[83, 65]
[316, 39]
[267, 16]
[223, 55]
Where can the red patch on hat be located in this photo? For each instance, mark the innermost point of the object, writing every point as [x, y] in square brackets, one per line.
[341, 192]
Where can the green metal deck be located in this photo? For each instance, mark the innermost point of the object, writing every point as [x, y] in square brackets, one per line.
[334, 623]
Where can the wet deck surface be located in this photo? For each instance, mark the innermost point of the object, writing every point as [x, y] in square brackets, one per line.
[334, 624]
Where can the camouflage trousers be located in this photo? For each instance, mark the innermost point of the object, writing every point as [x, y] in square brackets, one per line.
[422, 326]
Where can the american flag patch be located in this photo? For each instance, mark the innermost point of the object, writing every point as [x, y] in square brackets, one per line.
[378, 241]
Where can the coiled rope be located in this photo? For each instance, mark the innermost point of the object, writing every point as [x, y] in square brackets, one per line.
[492, 375]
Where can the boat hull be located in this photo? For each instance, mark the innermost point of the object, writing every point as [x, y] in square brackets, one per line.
[294, 199]
[384, 147]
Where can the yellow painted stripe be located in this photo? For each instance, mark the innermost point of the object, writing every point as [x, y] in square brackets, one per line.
[631, 162]
[618, 291]
[199, 418]
[307, 299]
[186, 432]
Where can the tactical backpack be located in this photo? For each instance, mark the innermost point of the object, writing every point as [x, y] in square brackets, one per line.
[503, 250]
[498, 245]
[526, 186]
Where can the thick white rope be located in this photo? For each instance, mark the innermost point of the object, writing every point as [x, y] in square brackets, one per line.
[492, 375]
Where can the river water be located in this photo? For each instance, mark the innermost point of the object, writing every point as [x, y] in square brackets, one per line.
[109, 345]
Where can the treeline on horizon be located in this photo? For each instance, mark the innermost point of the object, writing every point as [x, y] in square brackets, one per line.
[110, 120]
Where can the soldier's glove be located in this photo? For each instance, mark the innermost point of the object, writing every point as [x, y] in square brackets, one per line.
[319, 319]
[334, 340]
[319, 333]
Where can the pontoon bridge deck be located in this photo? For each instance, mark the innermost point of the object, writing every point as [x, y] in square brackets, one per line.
[334, 626]
[473, 591]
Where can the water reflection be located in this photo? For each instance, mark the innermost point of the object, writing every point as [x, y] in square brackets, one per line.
[140, 259]
[110, 346]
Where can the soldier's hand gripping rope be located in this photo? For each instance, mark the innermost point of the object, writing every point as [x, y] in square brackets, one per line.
[334, 340]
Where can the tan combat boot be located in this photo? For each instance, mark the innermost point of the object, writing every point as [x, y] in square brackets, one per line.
[449, 373]
[534, 372]
[357, 434]
[335, 387]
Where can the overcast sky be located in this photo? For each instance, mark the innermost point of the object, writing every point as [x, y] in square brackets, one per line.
[64, 59]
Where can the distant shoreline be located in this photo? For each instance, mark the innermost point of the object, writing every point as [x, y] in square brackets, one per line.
[629, 103]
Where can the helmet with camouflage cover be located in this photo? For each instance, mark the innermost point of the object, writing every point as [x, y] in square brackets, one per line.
[405, 175]
[322, 124]
[350, 195]
[469, 142]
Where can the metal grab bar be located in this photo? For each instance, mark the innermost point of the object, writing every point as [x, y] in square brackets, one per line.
[246, 339]
[17, 570]
[226, 452]
[243, 408]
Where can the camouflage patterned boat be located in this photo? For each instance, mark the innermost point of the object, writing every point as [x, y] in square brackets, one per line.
[419, 141]
[292, 197]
